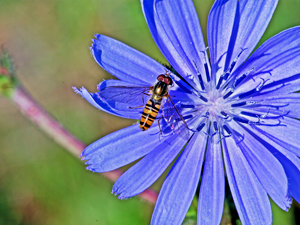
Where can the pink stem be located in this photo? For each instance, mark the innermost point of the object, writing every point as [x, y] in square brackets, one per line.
[32, 110]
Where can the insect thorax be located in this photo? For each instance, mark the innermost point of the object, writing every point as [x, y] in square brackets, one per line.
[159, 91]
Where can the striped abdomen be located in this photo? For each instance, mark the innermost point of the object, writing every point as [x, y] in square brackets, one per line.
[149, 114]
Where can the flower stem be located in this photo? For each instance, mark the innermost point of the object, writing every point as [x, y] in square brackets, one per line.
[39, 116]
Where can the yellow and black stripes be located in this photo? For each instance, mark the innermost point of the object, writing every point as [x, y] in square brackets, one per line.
[149, 114]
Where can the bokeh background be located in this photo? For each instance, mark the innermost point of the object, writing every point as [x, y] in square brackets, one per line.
[40, 183]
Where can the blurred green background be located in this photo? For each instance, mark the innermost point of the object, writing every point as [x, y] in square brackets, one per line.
[40, 183]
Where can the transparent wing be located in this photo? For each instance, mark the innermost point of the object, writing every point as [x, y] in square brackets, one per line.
[132, 96]
[173, 122]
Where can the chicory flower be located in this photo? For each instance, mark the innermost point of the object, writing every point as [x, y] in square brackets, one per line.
[240, 110]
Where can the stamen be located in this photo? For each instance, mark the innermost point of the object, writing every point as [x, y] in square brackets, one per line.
[184, 117]
[226, 75]
[206, 66]
[246, 94]
[207, 72]
[199, 128]
[187, 106]
[275, 89]
[200, 96]
[228, 72]
[199, 76]
[241, 78]
[182, 86]
[271, 125]
[215, 125]
[258, 88]
[228, 94]
[227, 129]
[206, 115]
[239, 104]
[277, 107]
[241, 120]
[187, 117]
[233, 64]
[249, 114]
[220, 82]
[224, 113]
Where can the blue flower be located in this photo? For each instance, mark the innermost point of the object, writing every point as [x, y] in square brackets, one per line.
[240, 111]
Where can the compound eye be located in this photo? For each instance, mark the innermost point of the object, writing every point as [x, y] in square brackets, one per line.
[161, 77]
[168, 81]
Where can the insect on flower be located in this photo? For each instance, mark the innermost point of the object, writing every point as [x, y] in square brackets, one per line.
[239, 107]
[173, 120]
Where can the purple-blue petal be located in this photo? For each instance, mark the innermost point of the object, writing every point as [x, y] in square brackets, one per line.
[124, 96]
[289, 161]
[121, 148]
[95, 100]
[277, 62]
[250, 198]
[212, 189]
[219, 27]
[180, 185]
[286, 135]
[266, 167]
[145, 172]
[176, 30]
[124, 62]
[245, 26]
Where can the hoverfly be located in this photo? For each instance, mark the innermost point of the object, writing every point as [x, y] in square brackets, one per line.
[173, 120]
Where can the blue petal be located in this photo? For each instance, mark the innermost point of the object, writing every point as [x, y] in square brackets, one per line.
[145, 172]
[180, 185]
[266, 167]
[286, 135]
[124, 62]
[250, 198]
[245, 27]
[212, 189]
[291, 165]
[124, 96]
[176, 30]
[289, 104]
[95, 100]
[289, 161]
[219, 27]
[120, 148]
[277, 62]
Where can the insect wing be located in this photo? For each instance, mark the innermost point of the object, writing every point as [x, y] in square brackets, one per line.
[173, 122]
[132, 96]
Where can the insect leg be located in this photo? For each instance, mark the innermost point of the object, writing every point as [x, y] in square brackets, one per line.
[159, 125]
[141, 106]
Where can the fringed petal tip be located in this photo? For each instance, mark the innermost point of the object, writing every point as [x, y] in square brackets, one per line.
[97, 36]
[87, 162]
[117, 192]
[94, 40]
[91, 168]
[81, 91]
[82, 155]
[85, 155]
[76, 90]
[289, 201]
[121, 191]
[119, 195]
